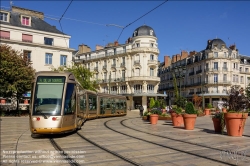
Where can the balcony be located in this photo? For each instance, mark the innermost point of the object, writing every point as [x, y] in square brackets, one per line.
[224, 69]
[104, 67]
[143, 78]
[218, 82]
[122, 65]
[198, 71]
[191, 73]
[136, 62]
[145, 49]
[152, 62]
[113, 66]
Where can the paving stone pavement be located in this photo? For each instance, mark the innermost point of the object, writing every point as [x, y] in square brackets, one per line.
[128, 136]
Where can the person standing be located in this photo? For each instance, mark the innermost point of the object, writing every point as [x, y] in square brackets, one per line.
[141, 110]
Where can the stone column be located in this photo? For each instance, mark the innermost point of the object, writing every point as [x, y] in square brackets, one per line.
[144, 103]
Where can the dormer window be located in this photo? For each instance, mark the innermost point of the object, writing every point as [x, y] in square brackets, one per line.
[26, 20]
[151, 32]
[152, 44]
[137, 44]
[135, 33]
[4, 17]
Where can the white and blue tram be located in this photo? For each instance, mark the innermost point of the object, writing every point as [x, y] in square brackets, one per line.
[59, 104]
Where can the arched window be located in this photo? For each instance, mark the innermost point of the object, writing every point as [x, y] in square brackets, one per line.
[137, 88]
[123, 89]
[150, 88]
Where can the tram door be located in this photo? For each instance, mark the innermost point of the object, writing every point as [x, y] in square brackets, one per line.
[83, 107]
[69, 118]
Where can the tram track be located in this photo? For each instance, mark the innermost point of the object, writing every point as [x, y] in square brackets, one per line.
[165, 146]
[70, 160]
[17, 144]
[109, 151]
[169, 138]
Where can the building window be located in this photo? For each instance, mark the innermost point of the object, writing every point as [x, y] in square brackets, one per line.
[215, 65]
[63, 60]
[215, 77]
[4, 34]
[247, 70]
[48, 41]
[151, 57]
[151, 72]
[150, 88]
[151, 32]
[215, 54]
[123, 89]
[235, 66]
[25, 20]
[124, 49]
[224, 78]
[113, 90]
[105, 89]
[27, 38]
[241, 79]
[48, 59]
[151, 44]
[3, 16]
[96, 76]
[137, 72]
[137, 88]
[137, 44]
[27, 54]
[114, 51]
[225, 54]
[105, 76]
[123, 73]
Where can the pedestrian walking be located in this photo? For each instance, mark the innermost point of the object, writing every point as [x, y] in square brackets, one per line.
[141, 110]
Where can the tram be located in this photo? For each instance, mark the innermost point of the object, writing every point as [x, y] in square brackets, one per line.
[59, 104]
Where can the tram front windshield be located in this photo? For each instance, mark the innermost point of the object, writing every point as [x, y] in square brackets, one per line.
[48, 95]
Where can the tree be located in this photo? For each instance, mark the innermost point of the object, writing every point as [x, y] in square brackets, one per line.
[16, 74]
[179, 100]
[82, 75]
[151, 103]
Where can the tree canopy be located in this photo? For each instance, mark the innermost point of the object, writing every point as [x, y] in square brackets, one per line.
[82, 75]
[16, 74]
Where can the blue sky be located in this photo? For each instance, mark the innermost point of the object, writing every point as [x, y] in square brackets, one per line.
[179, 25]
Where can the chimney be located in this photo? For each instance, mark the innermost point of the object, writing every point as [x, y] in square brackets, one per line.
[173, 59]
[83, 48]
[167, 61]
[116, 43]
[192, 53]
[98, 47]
[28, 12]
[178, 57]
[184, 54]
[232, 47]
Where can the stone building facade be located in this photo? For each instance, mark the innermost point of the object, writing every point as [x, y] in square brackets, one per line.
[209, 73]
[128, 69]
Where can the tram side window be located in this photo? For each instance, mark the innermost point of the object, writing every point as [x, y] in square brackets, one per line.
[117, 104]
[70, 99]
[83, 103]
[92, 102]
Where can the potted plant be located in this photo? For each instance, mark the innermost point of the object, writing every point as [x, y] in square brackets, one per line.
[145, 116]
[164, 116]
[176, 116]
[219, 122]
[189, 116]
[208, 109]
[237, 113]
[155, 112]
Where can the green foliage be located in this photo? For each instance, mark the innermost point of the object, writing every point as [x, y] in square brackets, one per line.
[163, 104]
[177, 110]
[209, 105]
[16, 73]
[190, 108]
[247, 91]
[156, 111]
[145, 113]
[220, 115]
[181, 102]
[176, 92]
[152, 103]
[82, 75]
[157, 104]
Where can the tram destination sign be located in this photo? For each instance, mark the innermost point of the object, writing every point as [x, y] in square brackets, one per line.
[50, 79]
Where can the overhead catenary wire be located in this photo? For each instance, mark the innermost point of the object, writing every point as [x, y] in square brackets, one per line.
[141, 17]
